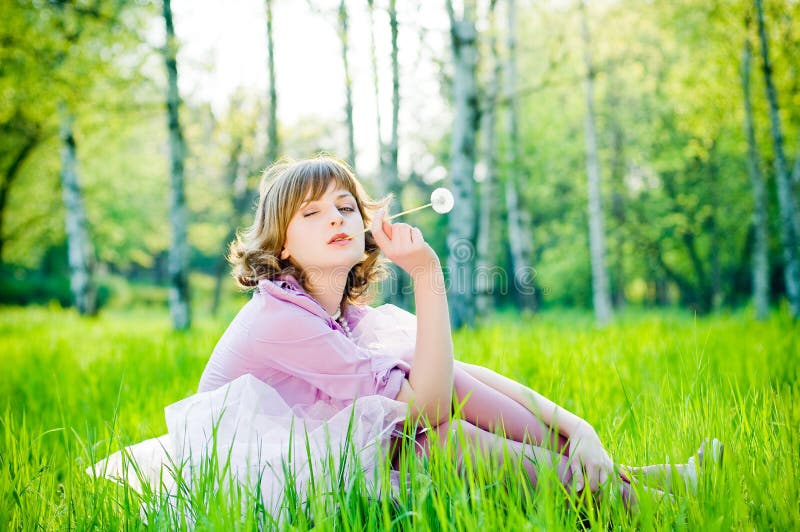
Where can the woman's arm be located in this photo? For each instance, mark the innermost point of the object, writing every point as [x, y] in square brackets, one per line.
[429, 389]
[430, 382]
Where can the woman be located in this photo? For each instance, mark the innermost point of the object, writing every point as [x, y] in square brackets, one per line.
[305, 360]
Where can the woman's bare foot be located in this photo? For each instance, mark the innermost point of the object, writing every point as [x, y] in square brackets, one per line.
[711, 451]
[661, 476]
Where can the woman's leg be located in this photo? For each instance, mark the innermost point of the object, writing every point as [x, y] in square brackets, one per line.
[478, 442]
[493, 411]
[482, 444]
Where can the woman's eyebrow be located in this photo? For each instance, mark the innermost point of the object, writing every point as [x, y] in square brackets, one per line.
[340, 196]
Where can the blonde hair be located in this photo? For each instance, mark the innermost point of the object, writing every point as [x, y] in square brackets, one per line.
[255, 254]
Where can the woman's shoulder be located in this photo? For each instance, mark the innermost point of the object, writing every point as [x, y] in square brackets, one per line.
[277, 315]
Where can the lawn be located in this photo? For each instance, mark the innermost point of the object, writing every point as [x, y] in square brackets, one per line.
[654, 384]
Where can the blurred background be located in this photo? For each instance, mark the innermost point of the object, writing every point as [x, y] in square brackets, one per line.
[604, 155]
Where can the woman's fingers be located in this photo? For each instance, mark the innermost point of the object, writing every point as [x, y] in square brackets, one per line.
[594, 478]
[378, 228]
[394, 239]
[388, 228]
[577, 475]
[593, 475]
[416, 235]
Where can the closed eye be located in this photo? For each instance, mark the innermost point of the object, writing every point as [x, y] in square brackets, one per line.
[306, 215]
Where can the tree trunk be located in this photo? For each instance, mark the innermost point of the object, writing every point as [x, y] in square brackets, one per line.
[461, 257]
[11, 173]
[796, 170]
[717, 297]
[393, 173]
[618, 207]
[381, 182]
[520, 238]
[273, 149]
[348, 89]
[402, 293]
[484, 280]
[600, 294]
[237, 184]
[760, 265]
[179, 248]
[79, 245]
[790, 227]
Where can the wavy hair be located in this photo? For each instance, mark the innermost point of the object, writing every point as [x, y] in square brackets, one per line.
[255, 253]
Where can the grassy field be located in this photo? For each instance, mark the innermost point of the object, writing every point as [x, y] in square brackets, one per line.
[653, 385]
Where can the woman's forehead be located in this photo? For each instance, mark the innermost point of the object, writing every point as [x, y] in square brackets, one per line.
[335, 189]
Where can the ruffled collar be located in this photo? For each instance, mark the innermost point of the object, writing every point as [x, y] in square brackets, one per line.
[288, 288]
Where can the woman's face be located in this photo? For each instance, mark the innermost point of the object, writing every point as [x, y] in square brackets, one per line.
[313, 237]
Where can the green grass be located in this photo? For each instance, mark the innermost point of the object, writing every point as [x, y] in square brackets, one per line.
[652, 384]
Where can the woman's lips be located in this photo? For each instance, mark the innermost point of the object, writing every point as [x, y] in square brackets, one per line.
[340, 239]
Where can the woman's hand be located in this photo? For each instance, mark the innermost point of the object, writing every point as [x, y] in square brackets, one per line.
[590, 461]
[404, 245]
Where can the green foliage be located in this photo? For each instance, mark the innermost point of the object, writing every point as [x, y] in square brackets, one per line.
[653, 385]
[668, 102]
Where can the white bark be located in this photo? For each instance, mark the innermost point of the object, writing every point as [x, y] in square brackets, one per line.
[760, 266]
[393, 174]
[348, 88]
[600, 289]
[461, 257]
[484, 279]
[178, 259]
[790, 226]
[376, 88]
[79, 245]
[520, 237]
[273, 149]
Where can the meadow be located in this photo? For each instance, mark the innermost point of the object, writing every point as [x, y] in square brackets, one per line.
[653, 384]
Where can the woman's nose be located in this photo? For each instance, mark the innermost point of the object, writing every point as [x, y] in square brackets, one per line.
[337, 218]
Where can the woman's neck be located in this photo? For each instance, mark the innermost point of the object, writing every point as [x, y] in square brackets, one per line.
[328, 290]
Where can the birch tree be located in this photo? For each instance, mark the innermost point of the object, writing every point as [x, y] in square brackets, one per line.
[484, 281]
[600, 291]
[461, 253]
[392, 149]
[520, 237]
[239, 129]
[178, 259]
[790, 228]
[344, 38]
[80, 254]
[617, 134]
[760, 257]
[376, 89]
[80, 251]
[273, 148]
[389, 175]
[388, 181]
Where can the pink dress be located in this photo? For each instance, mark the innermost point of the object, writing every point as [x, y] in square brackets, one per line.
[283, 375]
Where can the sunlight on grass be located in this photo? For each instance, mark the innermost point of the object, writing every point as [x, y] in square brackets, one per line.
[653, 385]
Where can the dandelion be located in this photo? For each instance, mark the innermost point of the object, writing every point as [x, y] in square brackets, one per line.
[442, 202]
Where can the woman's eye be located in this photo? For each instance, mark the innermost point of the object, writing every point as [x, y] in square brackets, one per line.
[306, 215]
[348, 209]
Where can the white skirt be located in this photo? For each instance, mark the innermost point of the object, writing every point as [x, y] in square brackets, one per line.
[248, 431]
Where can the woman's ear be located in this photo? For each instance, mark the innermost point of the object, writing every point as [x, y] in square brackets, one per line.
[284, 254]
